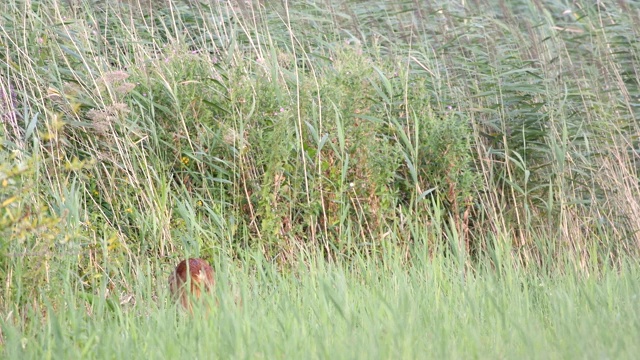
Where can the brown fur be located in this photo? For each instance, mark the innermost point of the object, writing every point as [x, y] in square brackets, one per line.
[198, 273]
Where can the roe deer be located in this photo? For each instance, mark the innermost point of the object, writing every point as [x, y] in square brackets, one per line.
[191, 278]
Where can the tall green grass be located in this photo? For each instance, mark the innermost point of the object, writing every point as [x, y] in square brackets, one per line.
[350, 146]
[327, 311]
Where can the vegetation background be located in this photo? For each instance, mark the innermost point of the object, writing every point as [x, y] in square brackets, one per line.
[373, 179]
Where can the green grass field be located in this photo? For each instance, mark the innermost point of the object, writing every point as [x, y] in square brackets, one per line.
[331, 312]
[369, 179]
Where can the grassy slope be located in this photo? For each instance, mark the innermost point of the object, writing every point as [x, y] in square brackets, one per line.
[471, 171]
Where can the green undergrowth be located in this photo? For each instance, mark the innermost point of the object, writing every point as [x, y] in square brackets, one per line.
[430, 310]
